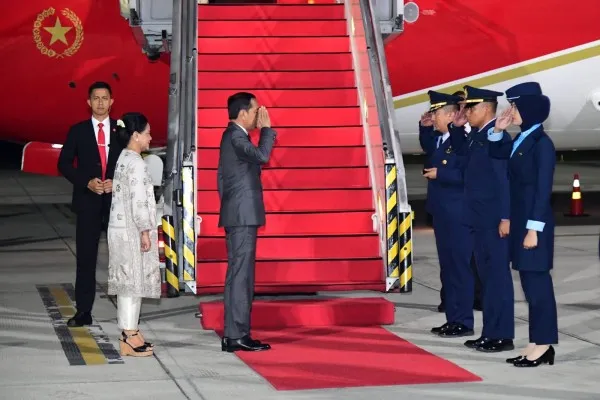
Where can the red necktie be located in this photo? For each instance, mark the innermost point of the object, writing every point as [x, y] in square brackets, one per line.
[102, 148]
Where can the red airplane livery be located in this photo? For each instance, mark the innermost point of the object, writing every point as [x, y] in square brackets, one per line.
[54, 49]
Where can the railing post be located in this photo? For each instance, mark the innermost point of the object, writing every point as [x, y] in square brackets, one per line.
[405, 258]
[391, 201]
[171, 268]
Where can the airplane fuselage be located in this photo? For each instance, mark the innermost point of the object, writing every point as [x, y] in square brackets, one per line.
[53, 51]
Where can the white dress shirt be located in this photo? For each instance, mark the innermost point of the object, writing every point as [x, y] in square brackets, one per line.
[105, 129]
[244, 129]
[442, 139]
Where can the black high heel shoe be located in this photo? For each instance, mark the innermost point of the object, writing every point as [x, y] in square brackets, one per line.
[514, 359]
[546, 358]
[147, 344]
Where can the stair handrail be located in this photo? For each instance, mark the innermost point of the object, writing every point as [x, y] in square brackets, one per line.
[370, 124]
[384, 99]
[392, 219]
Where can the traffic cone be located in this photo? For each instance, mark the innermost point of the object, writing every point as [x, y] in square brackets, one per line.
[576, 200]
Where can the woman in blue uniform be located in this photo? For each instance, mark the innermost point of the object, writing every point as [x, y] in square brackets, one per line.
[531, 171]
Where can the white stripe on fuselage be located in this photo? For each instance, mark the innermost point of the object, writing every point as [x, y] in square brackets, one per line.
[574, 122]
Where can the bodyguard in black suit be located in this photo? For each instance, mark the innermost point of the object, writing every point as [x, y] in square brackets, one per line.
[93, 145]
[242, 212]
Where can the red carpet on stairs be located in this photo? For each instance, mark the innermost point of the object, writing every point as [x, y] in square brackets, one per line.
[296, 58]
[307, 313]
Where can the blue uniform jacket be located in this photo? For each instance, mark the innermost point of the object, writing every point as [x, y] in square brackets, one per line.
[445, 194]
[487, 194]
[531, 173]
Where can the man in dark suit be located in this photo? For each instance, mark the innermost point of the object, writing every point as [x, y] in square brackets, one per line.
[93, 144]
[242, 212]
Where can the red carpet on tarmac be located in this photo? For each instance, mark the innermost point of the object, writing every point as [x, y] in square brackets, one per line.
[334, 343]
[340, 357]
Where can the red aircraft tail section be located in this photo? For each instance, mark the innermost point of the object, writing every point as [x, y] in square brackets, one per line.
[52, 52]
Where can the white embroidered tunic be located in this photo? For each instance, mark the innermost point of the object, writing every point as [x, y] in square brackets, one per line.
[132, 272]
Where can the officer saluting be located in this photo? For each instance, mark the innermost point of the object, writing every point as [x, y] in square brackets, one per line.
[531, 172]
[486, 214]
[445, 196]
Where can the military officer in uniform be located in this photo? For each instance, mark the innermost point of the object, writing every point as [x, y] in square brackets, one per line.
[460, 120]
[531, 173]
[486, 214]
[426, 131]
[445, 196]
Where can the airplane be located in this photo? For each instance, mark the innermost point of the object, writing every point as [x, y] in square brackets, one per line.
[53, 50]
[496, 44]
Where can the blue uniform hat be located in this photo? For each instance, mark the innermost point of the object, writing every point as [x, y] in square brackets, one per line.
[524, 89]
[475, 96]
[439, 100]
[533, 106]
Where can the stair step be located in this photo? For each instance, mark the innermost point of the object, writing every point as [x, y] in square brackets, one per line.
[310, 178]
[238, 1]
[302, 224]
[275, 62]
[249, 12]
[271, 28]
[297, 248]
[300, 287]
[307, 1]
[275, 80]
[289, 117]
[294, 137]
[331, 44]
[299, 200]
[299, 157]
[314, 98]
[309, 313]
[311, 272]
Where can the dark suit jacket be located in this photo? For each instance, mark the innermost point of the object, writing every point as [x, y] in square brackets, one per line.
[238, 176]
[81, 145]
[531, 174]
[487, 193]
[445, 194]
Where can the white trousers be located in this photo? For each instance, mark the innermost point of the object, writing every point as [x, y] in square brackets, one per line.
[128, 312]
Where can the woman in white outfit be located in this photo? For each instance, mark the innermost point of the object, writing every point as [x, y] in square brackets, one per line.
[132, 234]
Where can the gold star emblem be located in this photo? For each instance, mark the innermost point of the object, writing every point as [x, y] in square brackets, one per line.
[58, 32]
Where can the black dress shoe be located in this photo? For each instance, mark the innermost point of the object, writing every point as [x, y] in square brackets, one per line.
[224, 342]
[473, 344]
[457, 330]
[80, 319]
[514, 359]
[496, 346]
[546, 358]
[245, 343]
[439, 329]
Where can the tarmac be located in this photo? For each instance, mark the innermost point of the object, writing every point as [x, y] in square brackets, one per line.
[37, 246]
